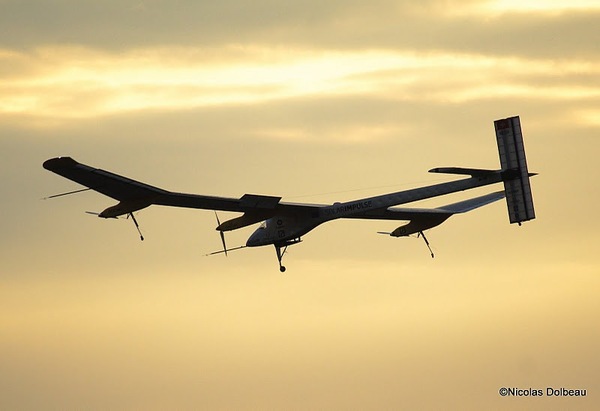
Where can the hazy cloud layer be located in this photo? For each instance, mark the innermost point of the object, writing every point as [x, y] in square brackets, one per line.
[461, 26]
[62, 84]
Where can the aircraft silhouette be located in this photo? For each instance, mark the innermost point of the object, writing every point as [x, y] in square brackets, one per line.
[284, 224]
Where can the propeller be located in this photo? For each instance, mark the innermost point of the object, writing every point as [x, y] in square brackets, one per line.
[225, 249]
[222, 234]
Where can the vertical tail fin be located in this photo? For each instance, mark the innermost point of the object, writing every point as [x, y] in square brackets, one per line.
[514, 165]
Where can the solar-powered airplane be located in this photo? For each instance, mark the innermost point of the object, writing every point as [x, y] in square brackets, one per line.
[284, 224]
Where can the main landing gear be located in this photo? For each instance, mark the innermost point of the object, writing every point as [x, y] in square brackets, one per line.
[422, 234]
[137, 226]
[281, 248]
[280, 255]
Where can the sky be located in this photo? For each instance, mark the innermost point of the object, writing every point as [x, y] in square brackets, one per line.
[315, 102]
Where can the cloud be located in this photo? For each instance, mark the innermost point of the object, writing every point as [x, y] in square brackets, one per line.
[536, 6]
[55, 85]
[499, 27]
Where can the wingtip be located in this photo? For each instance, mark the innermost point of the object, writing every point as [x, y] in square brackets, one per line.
[58, 162]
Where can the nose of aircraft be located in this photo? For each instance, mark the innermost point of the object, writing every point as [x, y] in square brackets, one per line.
[261, 236]
[253, 240]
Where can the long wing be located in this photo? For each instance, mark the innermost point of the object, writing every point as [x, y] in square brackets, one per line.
[425, 218]
[134, 195]
[407, 213]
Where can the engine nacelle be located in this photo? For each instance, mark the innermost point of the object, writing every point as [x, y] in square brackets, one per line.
[124, 207]
[420, 224]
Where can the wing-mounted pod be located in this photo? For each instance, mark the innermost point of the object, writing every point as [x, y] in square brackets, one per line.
[257, 208]
[424, 219]
[420, 224]
[124, 207]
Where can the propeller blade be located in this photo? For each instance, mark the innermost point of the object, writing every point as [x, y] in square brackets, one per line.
[222, 234]
[223, 241]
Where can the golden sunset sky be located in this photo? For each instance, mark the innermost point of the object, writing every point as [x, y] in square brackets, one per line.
[316, 102]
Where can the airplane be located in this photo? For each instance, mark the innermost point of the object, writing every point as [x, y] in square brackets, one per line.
[284, 224]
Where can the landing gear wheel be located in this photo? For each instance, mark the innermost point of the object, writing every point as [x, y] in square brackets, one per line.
[280, 256]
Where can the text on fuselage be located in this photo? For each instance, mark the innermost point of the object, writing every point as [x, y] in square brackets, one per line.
[348, 208]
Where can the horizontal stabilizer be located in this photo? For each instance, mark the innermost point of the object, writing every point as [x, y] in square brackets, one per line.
[474, 172]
